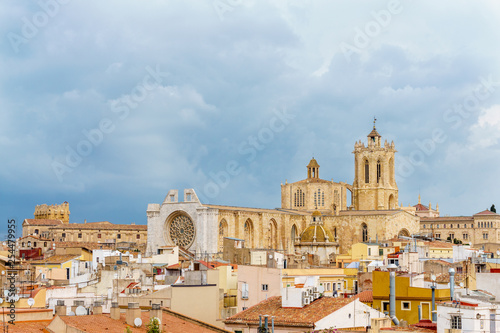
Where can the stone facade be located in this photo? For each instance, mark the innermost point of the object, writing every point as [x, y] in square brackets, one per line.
[53, 212]
[374, 186]
[374, 215]
[98, 232]
[481, 228]
[314, 193]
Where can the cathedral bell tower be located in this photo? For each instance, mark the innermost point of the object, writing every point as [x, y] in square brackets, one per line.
[374, 186]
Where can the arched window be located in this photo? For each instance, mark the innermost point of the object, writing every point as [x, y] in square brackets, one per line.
[248, 234]
[293, 235]
[379, 171]
[299, 198]
[319, 198]
[364, 231]
[222, 234]
[273, 235]
[367, 172]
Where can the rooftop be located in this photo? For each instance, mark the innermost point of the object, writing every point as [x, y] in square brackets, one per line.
[105, 225]
[42, 222]
[57, 259]
[301, 317]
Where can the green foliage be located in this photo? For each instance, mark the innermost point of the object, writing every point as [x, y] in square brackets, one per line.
[153, 326]
[128, 330]
[457, 241]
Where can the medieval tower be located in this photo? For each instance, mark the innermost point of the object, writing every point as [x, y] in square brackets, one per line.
[374, 186]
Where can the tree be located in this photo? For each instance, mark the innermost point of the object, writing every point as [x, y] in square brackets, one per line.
[153, 326]
[493, 209]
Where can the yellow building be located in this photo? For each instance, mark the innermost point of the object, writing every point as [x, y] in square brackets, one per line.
[408, 298]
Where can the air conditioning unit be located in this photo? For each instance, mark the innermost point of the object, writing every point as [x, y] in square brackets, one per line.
[305, 294]
[311, 299]
[315, 289]
[306, 301]
[310, 290]
[316, 295]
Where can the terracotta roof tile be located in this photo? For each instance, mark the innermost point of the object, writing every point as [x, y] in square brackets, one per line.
[303, 317]
[365, 296]
[486, 212]
[103, 323]
[421, 207]
[57, 259]
[28, 326]
[102, 225]
[42, 222]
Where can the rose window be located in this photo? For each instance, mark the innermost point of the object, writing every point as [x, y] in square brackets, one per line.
[181, 231]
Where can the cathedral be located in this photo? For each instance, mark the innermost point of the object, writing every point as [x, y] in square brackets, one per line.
[316, 215]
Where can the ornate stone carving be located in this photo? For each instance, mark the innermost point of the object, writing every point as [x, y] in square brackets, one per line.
[181, 231]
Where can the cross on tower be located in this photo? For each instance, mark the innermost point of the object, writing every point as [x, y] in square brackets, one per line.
[374, 121]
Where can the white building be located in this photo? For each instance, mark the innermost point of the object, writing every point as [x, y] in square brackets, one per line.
[468, 315]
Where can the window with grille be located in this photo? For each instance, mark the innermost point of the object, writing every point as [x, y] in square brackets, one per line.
[456, 322]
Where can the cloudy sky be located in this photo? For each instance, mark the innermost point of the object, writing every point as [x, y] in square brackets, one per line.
[109, 104]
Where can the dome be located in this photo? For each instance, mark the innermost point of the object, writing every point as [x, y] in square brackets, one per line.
[316, 213]
[313, 164]
[318, 231]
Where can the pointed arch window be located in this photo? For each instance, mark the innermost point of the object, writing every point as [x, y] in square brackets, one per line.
[364, 231]
[379, 171]
[299, 198]
[367, 172]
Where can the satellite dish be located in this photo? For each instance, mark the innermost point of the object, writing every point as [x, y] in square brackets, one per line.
[303, 257]
[321, 289]
[433, 277]
[498, 253]
[461, 284]
[3, 272]
[31, 302]
[71, 313]
[6, 293]
[1, 301]
[138, 322]
[80, 311]
[270, 256]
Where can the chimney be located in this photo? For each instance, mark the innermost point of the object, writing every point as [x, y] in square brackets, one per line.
[155, 311]
[77, 304]
[452, 283]
[115, 311]
[133, 311]
[392, 295]
[97, 308]
[60, 308]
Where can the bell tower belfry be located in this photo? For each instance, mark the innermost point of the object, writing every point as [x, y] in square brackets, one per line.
[374, 186]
